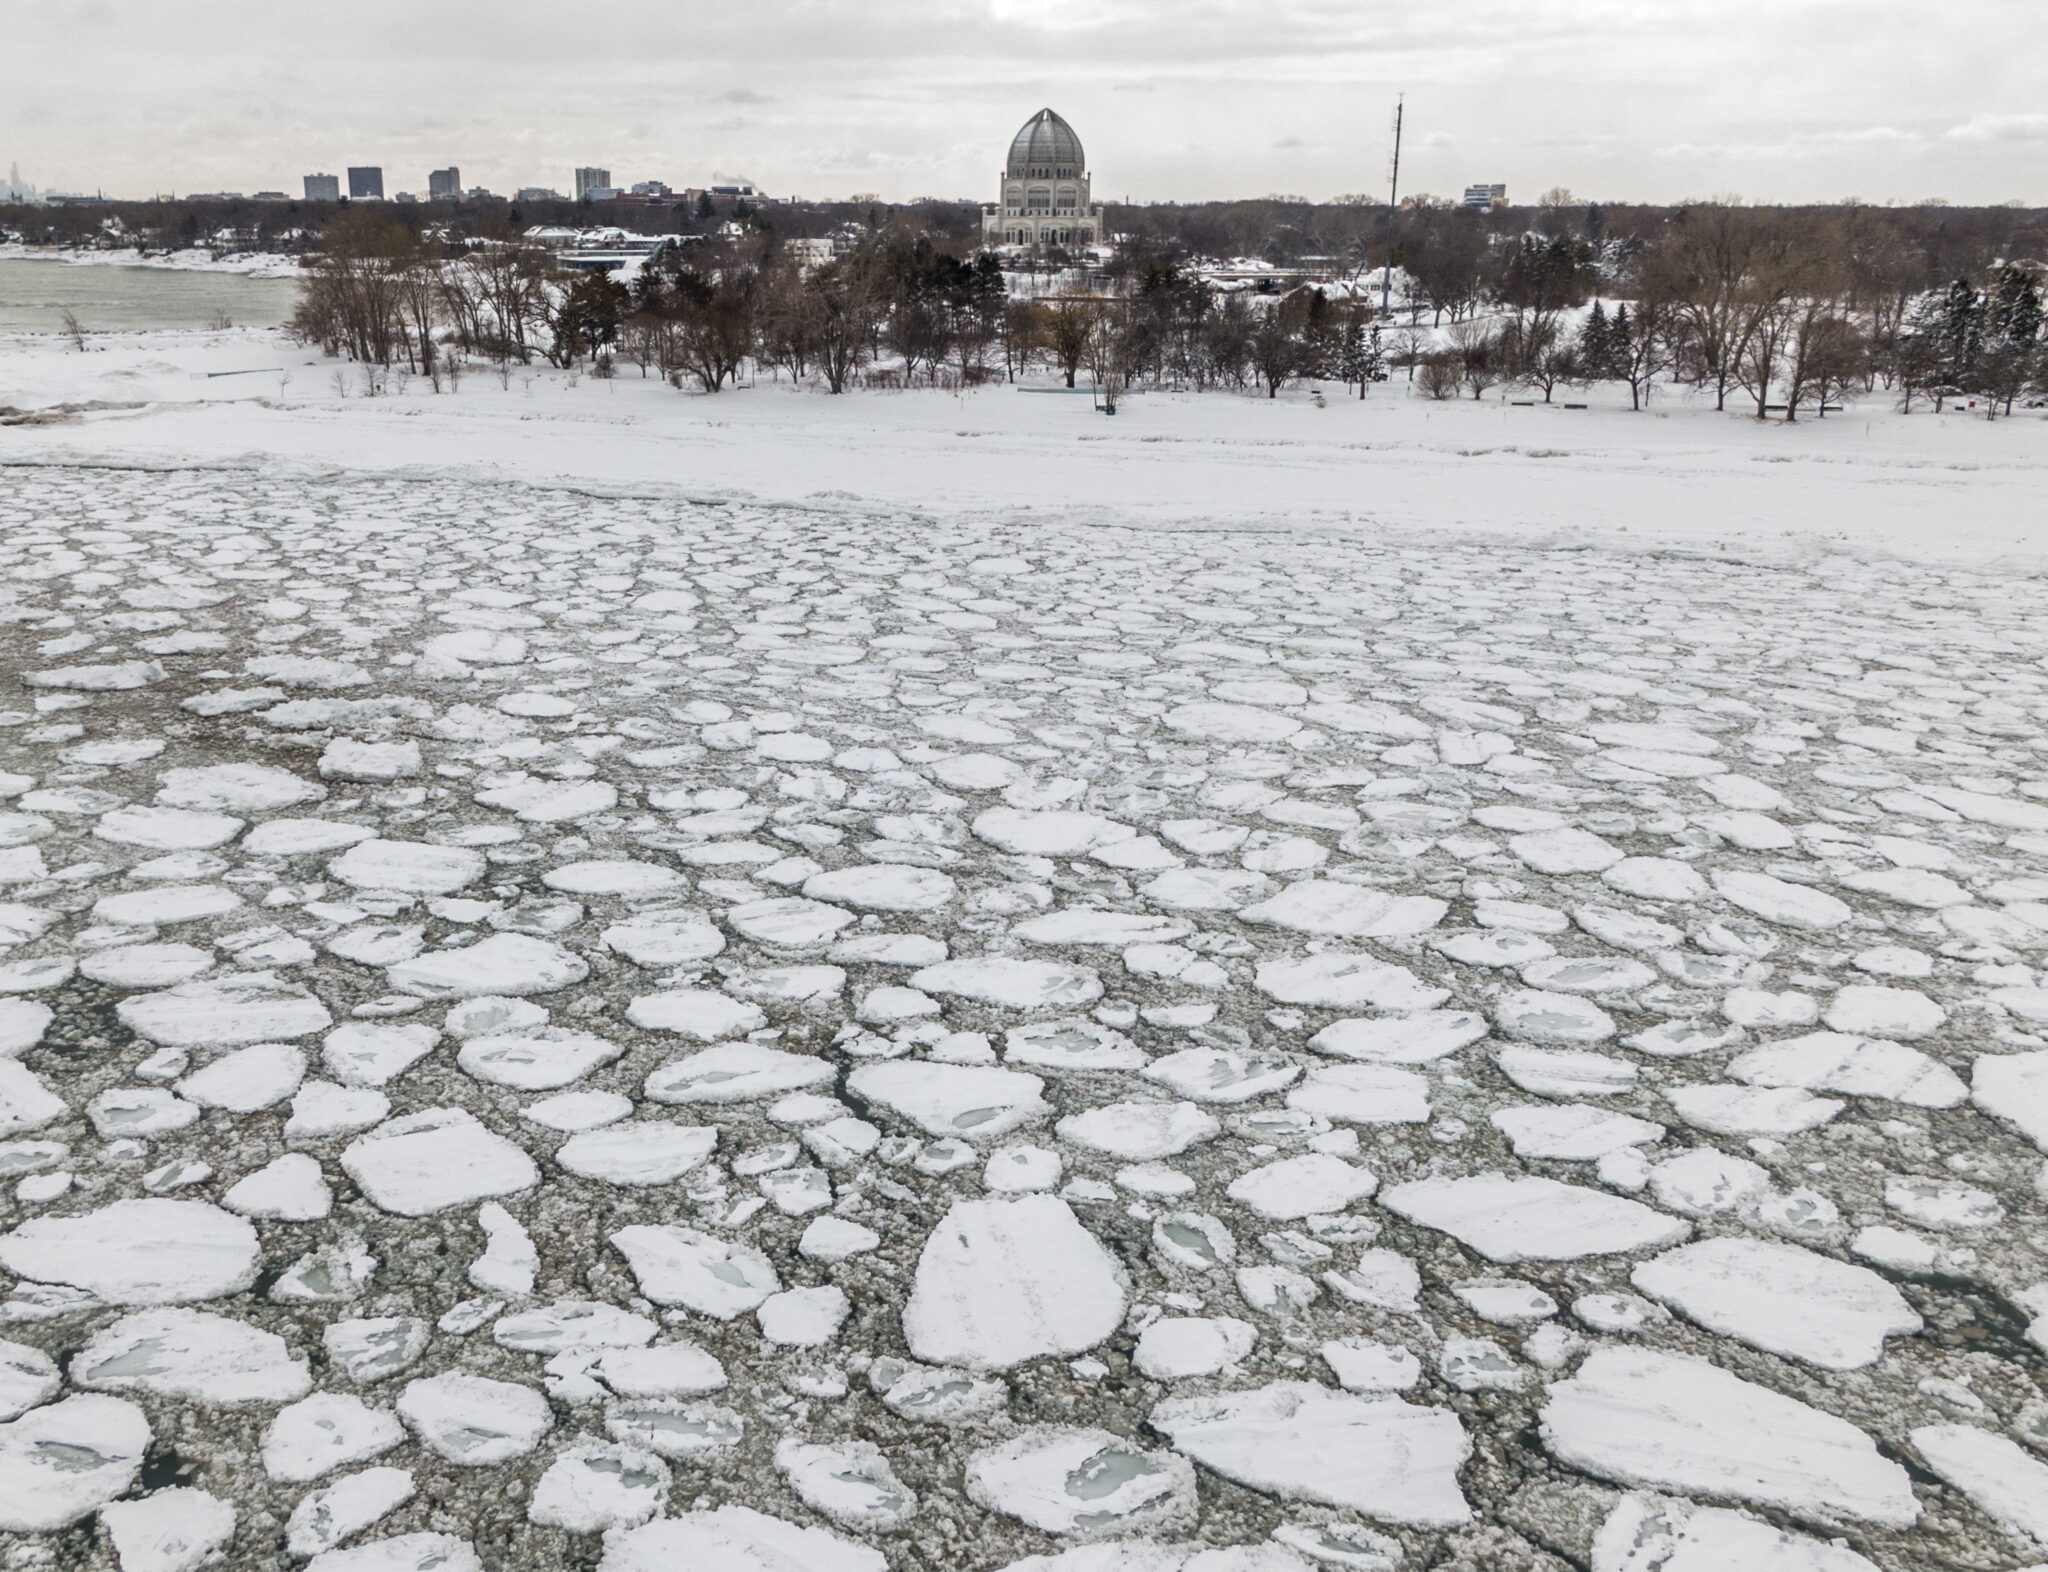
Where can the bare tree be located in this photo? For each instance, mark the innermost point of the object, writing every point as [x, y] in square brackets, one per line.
[1022, 333]
[844, 321]
[73, 330]
[1547, 360]
[1443, 374]
[1276, 350]
[1825, 352]
[1408, 342]
[1477, 347]
[1069, 326]
[1704, 264]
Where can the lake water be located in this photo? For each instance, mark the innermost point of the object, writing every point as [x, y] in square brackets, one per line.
[34, 295]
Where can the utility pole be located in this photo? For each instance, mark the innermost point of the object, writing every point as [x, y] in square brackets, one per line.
[1393, 209]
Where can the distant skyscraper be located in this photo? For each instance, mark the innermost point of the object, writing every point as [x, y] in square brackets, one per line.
[444, 185]
[1486, 196]
[366, 182]
[592, 179]
[323, 188]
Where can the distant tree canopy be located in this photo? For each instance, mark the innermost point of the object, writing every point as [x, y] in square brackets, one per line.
[1788, 306]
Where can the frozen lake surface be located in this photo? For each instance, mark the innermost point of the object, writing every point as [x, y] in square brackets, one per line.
[820, 1036]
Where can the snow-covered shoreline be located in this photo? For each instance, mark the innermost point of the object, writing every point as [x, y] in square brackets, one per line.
[251, 264]
[1948, 489]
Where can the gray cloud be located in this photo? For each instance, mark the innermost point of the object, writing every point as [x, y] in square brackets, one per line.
[1618, 99]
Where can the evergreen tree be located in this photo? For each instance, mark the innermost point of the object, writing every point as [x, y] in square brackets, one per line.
[1921, 362]
[2009, 360]
[1615, 348]
[1363, 359]
[1596, 343]
[2016, 307]
[1962, 334]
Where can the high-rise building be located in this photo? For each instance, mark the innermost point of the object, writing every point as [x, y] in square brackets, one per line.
[444, 185]
[1486, 196]
[323, 188]
[367, 181]
[591, 179]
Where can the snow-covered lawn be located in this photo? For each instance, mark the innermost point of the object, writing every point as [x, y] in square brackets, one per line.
[1949, 488]
[948, 1022]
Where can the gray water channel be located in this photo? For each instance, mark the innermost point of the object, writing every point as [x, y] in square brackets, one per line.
[35, 293]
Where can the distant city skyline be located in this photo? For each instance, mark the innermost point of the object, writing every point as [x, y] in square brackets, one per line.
[1618, 100]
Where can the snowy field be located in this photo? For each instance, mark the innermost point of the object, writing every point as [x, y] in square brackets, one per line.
[1948, 488]
[942, 1026]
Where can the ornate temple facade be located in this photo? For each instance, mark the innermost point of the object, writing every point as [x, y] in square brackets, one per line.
[1045, 199]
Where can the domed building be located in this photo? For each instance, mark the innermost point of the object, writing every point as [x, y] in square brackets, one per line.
[1045, 190]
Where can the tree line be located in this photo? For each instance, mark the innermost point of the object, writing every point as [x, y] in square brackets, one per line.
[893, 308]
[1785, 312]
[1772, 306]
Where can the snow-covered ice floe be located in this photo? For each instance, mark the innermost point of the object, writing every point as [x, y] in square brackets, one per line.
[544, 1028]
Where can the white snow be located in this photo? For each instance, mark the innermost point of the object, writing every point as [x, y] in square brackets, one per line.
[1177, 1347]
[735, 1539]
[1393, 1461]
[138, 1252]
[503, 963]
[967, 1101]
[432, 1160]
[594, 1486]
[172, 1530]
[2014, 1087]
[850, 1482]
[1782, 1299]
[2000, 1478]
[60, 1462]
[640, 1152]
[735, 1073]
[1648, 1533]
[1013, 984]
[1675, 1422]
[1507, 1217]
[324, 1518]
[1071, 1480]
[1296, 1187]
[324, 1432]
[1004, 1281]
[685, 1266]
[474, 1421]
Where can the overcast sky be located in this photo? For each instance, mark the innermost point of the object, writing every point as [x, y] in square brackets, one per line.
[1647, 100]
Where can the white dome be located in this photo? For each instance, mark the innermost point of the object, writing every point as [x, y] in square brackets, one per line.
[1046, 142]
